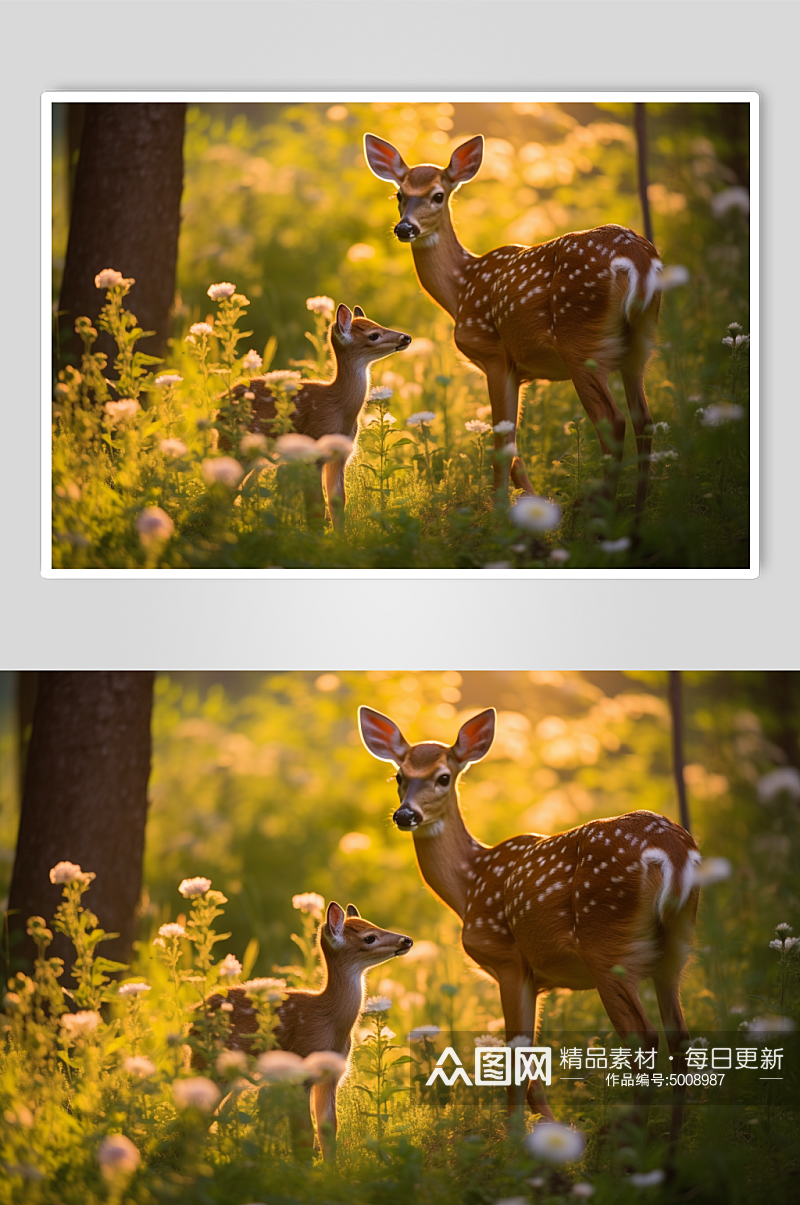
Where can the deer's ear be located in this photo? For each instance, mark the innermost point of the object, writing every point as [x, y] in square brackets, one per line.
[381, 736]
[344, 321]
[352, 910]
[333, 930]
[358, 312]
[475, 737]
[384, 160]
[465, 161]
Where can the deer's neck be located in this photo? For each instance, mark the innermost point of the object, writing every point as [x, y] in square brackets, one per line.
[348, 389]
[342, 998]
[446, 852]
[440, 260]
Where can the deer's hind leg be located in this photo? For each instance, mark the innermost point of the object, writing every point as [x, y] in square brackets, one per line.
[641, 337]
[604, 415]
[323, 1104]
[503, 383]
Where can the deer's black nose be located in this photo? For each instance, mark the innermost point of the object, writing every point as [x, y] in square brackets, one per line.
[406, 943]
[406, 818]
[406, 231]
[403, 341]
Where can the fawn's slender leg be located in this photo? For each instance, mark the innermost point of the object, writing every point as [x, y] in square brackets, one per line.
[333, 477]
[504, 396]
[605, 416]
[519, 1000]
[323, 1103]
[669, 1005]
[621, 1001]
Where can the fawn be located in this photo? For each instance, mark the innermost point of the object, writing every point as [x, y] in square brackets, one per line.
[332, 407]
[312, 1021]
[539, 912]
[577, 307]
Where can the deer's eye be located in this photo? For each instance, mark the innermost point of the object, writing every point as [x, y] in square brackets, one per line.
[438, 197]
[375, 336]
[370, 939]
[443, 780]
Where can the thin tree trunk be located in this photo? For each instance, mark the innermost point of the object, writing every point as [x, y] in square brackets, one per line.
[676, 708]
[641, 162]
[85, 801]
[125, 215]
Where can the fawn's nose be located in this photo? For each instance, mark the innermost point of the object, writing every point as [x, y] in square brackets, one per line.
[403, 341]
[406, 231]
[405, 944]
[406, 818]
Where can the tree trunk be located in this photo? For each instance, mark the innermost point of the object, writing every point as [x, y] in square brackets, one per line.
[676, 710]
[85, 801]
[641, 167]
[125, 215]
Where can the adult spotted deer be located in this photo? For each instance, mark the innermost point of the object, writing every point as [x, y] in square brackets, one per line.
[322, 1021]
[575, 308]
[331, 408]
[566, 911]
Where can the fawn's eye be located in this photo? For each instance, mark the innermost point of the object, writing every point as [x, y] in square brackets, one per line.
[370, 939]
[375, 336]
[443, 780]
[438, 197]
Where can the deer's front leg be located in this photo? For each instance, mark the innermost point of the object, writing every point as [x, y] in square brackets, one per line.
[519, 1012]
[333, 476]
[323, 1103]
[504, 396]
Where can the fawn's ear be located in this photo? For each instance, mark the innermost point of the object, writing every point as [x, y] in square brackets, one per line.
[465, 161]
[475, 737]
[358, 312]
[352, 910]
[382, 736]
[333, 929]
[344, 321]
[384, 160]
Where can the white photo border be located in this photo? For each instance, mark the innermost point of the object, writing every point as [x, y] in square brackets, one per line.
[333, 96]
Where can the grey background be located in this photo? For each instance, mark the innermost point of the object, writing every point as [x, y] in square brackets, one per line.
[84, 624]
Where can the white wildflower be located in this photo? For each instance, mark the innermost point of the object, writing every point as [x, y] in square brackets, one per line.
[224, 289]
[252, 361]
[126, 407]
[784, 943]
[153, 525]
[117, 1156]
[133, 989]
[711, 870]
[321, 305]
[735, 327]
[476, 426]
[201, 328]
[252, 444]
[69, 872]
[108, 278]
[311, 902]
[230, 967]
[783, 781]
[380, 395]
[620, 545]
[325, 1064]
[420, 347]
[280, 374]
[199, 1092]
[646, 1179]
[273, 990]
[169, 378]
[560, 556]
[698, 1044]
[422, 418]
[296, 447]
[535, 514]
[672, 277]
[582, 1189]
[224, 470]
[334, 447]
[189, 888]
[173, 447]
[505, 427]
[665, 454]
[784, 928]
[377, 1004]
[424, 1031]
[770, 1026]
[555, 1142]
[139, 1065]
[77, 1025]
[721, 412]
[661, 427]
[173, 929]
[730, 198]
[231, 1062]
[276, 1066]
[489, 1039]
